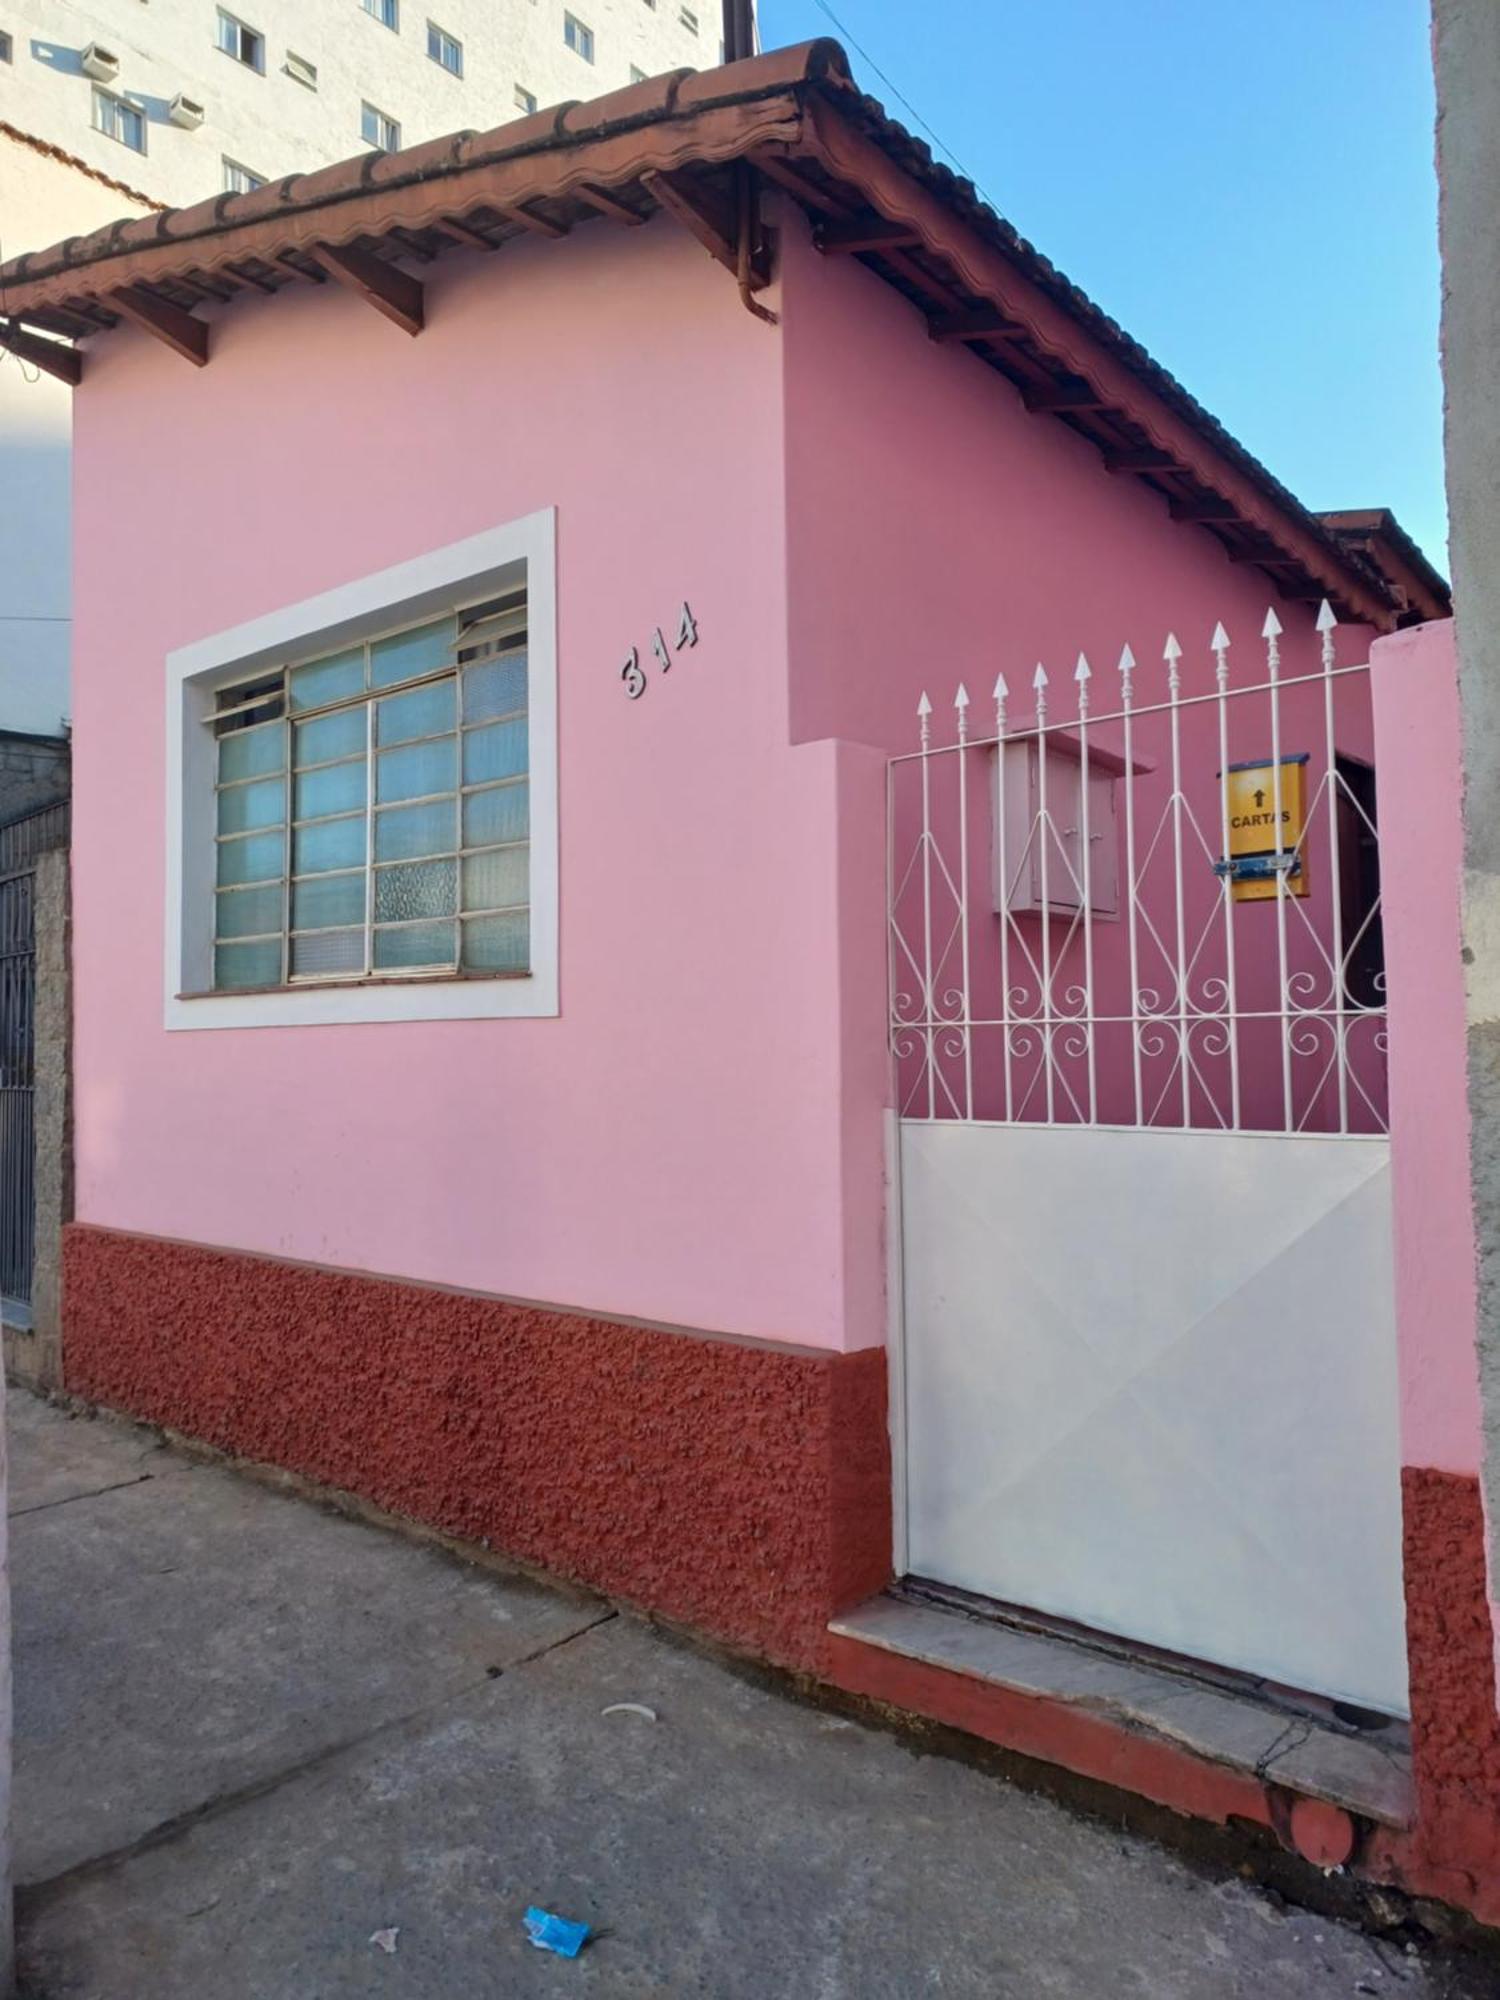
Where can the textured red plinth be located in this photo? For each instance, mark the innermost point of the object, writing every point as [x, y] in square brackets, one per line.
[737, 1487]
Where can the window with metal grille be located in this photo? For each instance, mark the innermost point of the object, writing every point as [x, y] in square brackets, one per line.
[373, 809]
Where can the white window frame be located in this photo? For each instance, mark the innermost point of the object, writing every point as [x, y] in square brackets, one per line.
[526, 101]
[386, 12]
[477, 568]
[118, 104]
[256, 64]
[240, 179]
[445, 41]
[385, 125]
[579, 37]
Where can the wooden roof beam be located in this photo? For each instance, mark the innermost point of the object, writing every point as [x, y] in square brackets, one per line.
[1211, 509]
[1148, 459]
[64, 363]
[386, 287]
[689, 208]
[984, 324]
[528, 219]
[776, 167]
[609, 205]
[169, 324]
[465, 233]
[874, 233]
[1076, 395]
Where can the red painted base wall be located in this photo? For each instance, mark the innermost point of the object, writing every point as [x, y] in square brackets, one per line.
[740, 1488]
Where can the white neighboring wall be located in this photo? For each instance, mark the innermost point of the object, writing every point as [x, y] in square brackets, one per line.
[268, 122]
[46, 198]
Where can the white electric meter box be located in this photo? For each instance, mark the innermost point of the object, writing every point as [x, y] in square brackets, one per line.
[1022, 830]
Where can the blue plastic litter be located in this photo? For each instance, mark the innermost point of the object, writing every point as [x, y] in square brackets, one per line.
[550, 1933]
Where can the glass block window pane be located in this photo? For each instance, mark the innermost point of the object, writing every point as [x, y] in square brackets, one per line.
[341, 734]
[423, 889]
[498, 880]
[407, 654]
[256, 964]
[404, 833]
[495, 687]
[243, 807]
[426, 711]
[391, 872]
[333, 679]
[248, 912]
[254, 857]
[498, 944]
[329, 843]
[251, 753]
[501, 812]
[417, 770]
[416, 945]
[331, 788]
[331, 954]
[321, 901]
[496, 751]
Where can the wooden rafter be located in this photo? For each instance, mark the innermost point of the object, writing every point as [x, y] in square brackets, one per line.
[982, 324]
[1062, 395]
[528, 219]
[776, 167]
[869, 233]
[610, 205]
[169, 324]
[66, 363]
[465, 233]
[1203, 510]
[390, 290]
[690, 209]
[1148, 459]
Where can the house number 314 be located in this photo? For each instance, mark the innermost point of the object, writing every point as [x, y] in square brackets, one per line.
[633, 674]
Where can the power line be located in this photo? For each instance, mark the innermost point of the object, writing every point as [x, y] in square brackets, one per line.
[902, 99]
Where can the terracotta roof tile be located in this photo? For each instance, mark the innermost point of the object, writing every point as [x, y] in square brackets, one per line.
[655, 98]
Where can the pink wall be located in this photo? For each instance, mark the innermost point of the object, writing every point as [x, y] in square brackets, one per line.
[1417, 735]
[939, 533]
[668, 1148]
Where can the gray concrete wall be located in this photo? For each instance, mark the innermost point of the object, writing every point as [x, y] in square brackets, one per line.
[1466, 47]
[34, 772]
[34, 1355]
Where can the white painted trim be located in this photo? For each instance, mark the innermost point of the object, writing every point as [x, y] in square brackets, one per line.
[895, 1354]
[405, 593]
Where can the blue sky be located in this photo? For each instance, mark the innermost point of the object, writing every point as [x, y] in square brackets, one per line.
[1246, 185]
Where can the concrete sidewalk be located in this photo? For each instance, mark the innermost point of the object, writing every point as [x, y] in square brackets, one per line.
[252, 1733]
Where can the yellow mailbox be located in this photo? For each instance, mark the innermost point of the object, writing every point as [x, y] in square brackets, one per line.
[1256, 854]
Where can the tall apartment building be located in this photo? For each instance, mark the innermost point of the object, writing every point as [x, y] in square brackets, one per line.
[108, 107]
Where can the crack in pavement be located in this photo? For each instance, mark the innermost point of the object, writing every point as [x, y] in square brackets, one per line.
[91, 1493]
[34, 1897]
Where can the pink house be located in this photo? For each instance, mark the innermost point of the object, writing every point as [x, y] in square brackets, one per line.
[621, 1014]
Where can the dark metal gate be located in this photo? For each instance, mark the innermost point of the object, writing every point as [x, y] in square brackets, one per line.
[21, 842]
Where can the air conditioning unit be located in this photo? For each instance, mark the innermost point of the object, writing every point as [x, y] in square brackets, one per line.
[102, 64]
[184, 112]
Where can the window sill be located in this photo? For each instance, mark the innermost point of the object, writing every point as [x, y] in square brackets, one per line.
[379, 980]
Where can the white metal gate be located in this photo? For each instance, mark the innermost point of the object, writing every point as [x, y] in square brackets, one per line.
[1148, 1367]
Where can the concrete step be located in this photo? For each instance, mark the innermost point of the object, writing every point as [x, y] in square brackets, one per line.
[1368, 1773]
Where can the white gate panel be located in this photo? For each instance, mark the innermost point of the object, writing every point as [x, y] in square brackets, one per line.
[1151, 1387]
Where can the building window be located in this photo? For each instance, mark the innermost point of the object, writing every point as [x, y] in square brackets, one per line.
[300, 70]
[386, 12]
[246, 45]
[579, 38]
[525, 101]
[7, 47]
[373, 811]
[688, 19]
[240, 180]
[378, 130]
[637, 75]
[445, 49]
[362, 798]
[118, 120]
